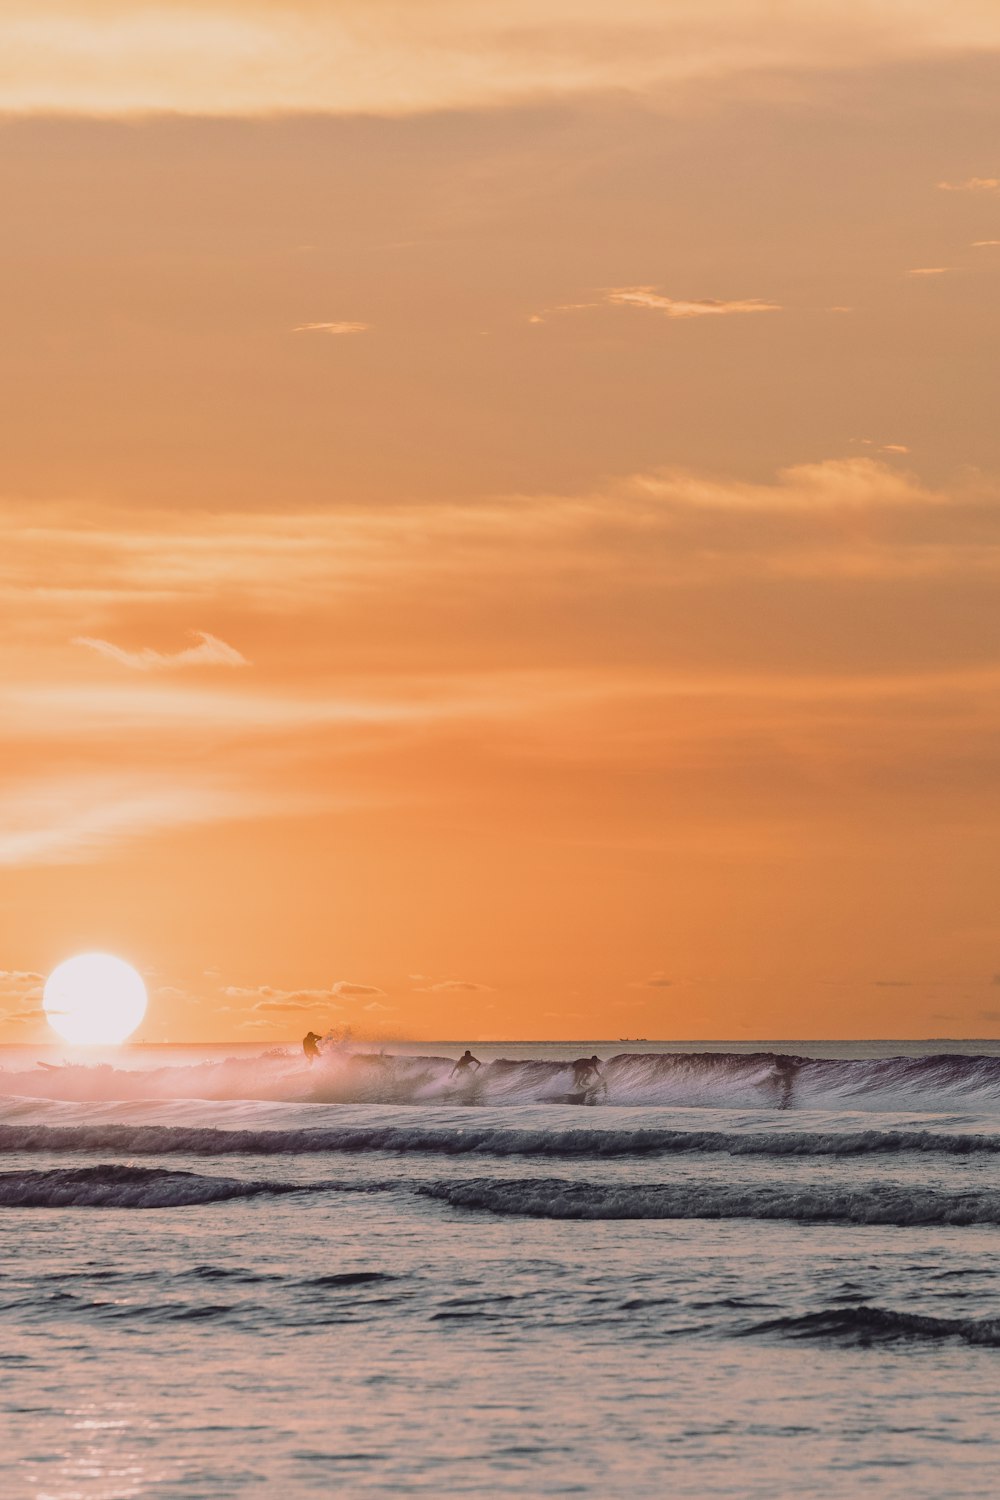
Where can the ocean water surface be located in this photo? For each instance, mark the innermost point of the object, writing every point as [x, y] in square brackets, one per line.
[747, 1270]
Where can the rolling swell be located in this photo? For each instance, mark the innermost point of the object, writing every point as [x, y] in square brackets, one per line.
[867, 1325]
[885, 1203]
[200, 1141]
[113, 1185]
[117, 1186]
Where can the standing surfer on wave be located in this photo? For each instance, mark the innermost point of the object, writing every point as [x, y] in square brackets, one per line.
[310, 1046]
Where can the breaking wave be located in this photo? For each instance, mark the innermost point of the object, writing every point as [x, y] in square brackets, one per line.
[761, 1080]
[882, 1203]
[200, 1141]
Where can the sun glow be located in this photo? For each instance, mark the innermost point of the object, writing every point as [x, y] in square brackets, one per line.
[94, 999]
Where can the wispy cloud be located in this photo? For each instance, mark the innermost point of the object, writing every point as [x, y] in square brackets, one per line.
[347, 990]
[20, 984]
[455, 986]
[208, 652]
[29, 1017]
[350, 562]
[184, 753]
[295, 561]
[220, 58]
[929, 271]
[60, 820]
[678, 307]
[834, 485]
[266, 997]
[649, 299]
[972, 185]
[335, 329]
[289, 1005]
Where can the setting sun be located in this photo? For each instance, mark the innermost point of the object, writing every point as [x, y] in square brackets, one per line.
[94, 999]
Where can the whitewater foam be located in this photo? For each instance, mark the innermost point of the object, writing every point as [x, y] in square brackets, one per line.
[752, 1081]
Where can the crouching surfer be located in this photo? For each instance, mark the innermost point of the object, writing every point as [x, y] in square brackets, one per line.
[466, 1065]
[310, 1046]
[587, 1072]
[587, 1079]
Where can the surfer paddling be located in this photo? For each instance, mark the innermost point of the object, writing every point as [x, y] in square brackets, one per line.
[465, 1063]
[310, 1046]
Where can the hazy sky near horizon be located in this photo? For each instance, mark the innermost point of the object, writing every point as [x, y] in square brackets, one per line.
[500, 515]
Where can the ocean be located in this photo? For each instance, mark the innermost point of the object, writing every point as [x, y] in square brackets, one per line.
[727, 1269]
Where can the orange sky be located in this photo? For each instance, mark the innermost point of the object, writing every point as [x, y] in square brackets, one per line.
[500, 515]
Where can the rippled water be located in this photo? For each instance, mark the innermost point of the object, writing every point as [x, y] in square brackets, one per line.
[485, 1293]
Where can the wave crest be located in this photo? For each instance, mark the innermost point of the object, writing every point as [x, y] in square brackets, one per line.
[597, 1145]
[761, 1080]
[885, 1204]
[119, 1186]
[867, 1325]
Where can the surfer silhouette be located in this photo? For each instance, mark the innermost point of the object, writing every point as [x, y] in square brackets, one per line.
[785, 1073]
[586, 1072]
[465, 1062]
[310, 1046]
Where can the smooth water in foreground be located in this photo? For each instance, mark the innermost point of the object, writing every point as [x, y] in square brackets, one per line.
[249, 1277]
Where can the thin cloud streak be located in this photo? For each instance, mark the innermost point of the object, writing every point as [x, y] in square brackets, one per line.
[369, 56]
[77, 819]
[455, 987]
[333, 329]
[268, 997]
[972, 185]
[293, 561]
[393, 731]
[649, 299]
[70, 820]
[674, 307]
[209, 652]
